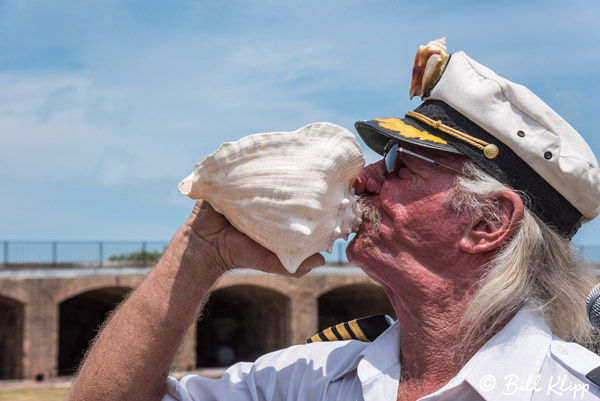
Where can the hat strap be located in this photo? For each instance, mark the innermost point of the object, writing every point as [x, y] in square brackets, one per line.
[490, 150]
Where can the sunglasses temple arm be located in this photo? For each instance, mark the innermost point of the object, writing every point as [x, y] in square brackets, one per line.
[400, 149]
[449, 168]
[427, 159]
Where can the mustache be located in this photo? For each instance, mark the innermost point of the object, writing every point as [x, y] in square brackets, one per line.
[369, 212]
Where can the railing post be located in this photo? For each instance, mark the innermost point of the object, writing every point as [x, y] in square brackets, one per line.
[100, 253]
[340, 250]
[144, 256]
[54, 252]
[5, 253]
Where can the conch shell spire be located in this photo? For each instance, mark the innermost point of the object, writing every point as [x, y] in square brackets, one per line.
[289, 191]
[430, 62]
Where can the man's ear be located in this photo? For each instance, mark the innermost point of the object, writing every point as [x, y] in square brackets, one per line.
[481, 236]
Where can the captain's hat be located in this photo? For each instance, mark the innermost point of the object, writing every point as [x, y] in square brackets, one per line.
[501, 126]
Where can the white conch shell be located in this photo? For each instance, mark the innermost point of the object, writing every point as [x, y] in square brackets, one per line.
[430, 62]
[289, 191]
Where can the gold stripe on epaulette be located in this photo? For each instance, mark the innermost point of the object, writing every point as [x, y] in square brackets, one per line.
[343, 332]
[357, 331]
[315, 338]
[330, 335]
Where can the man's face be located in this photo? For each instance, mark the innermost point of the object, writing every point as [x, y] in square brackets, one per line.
[417, 221]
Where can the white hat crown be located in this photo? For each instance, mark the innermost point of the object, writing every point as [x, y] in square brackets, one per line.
[528, 126]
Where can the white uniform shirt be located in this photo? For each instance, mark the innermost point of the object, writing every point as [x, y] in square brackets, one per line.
[524, 361]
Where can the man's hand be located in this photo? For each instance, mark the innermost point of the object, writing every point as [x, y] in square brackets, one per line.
[131, 357]
[237, 250]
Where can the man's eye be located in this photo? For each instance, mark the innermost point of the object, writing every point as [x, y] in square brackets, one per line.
[400, 167]
[400, 164]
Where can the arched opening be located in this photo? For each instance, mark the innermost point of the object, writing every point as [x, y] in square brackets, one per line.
[80, 318]
[11, 339]
[241, 323]
[351, 302]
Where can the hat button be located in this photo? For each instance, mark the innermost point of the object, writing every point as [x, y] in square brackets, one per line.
[548, 155]
[562, 349]
[490, 151]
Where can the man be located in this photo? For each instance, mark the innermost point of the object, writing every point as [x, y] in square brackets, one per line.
[467, 227]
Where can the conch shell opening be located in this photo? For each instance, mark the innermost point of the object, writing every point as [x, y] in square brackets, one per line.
[289, 191]
[430, 63]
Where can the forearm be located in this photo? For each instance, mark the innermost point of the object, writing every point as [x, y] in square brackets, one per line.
[131, 358]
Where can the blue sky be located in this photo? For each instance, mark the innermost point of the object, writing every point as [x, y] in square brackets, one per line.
[105, 106]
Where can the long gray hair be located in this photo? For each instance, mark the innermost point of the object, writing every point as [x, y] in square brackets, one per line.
[536, 267]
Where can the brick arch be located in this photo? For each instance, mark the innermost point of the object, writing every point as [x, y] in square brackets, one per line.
[14, 294]
[73, 288]
[342, 281]
[11, 301]
[278, 284]
[241, 322]
[80, 317]
[347, 302]
[11, 338]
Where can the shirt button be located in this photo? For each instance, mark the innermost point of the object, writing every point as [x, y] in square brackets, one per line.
[562, 349]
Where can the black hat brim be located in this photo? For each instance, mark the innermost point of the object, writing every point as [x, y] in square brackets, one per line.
[378, 132]
[508, 168]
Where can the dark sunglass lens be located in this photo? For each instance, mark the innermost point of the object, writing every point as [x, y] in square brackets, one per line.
[390, 158]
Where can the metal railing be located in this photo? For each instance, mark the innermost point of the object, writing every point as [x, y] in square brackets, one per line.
[80, 253]
[34, 253]
[30, 253]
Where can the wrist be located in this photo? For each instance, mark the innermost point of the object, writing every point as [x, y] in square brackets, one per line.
[195, 256]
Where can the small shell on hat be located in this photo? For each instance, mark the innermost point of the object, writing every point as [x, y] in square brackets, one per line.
[289, 191]
[429, 65]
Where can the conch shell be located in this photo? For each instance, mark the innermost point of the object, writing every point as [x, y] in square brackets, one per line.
[289, 191]
[430, 62]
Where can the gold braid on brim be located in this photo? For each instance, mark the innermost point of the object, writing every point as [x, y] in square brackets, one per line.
[490, 150]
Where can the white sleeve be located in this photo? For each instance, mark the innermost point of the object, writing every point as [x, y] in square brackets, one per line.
[302, 372]
[231, 386]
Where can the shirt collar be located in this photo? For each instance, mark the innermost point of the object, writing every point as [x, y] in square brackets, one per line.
[517, 352]
[382, 355]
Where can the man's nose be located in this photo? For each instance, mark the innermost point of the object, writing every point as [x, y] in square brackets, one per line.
[370, 179]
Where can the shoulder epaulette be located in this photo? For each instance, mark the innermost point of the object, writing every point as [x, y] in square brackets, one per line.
[580, 360]
[594, 376]
[364, 329]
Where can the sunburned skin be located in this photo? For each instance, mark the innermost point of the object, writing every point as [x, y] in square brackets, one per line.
[408, 235]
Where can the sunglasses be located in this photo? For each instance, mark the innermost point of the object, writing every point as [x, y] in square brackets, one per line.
[390, 157]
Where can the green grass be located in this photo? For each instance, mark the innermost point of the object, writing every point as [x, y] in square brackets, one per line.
[45, 393]
[40, 394]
